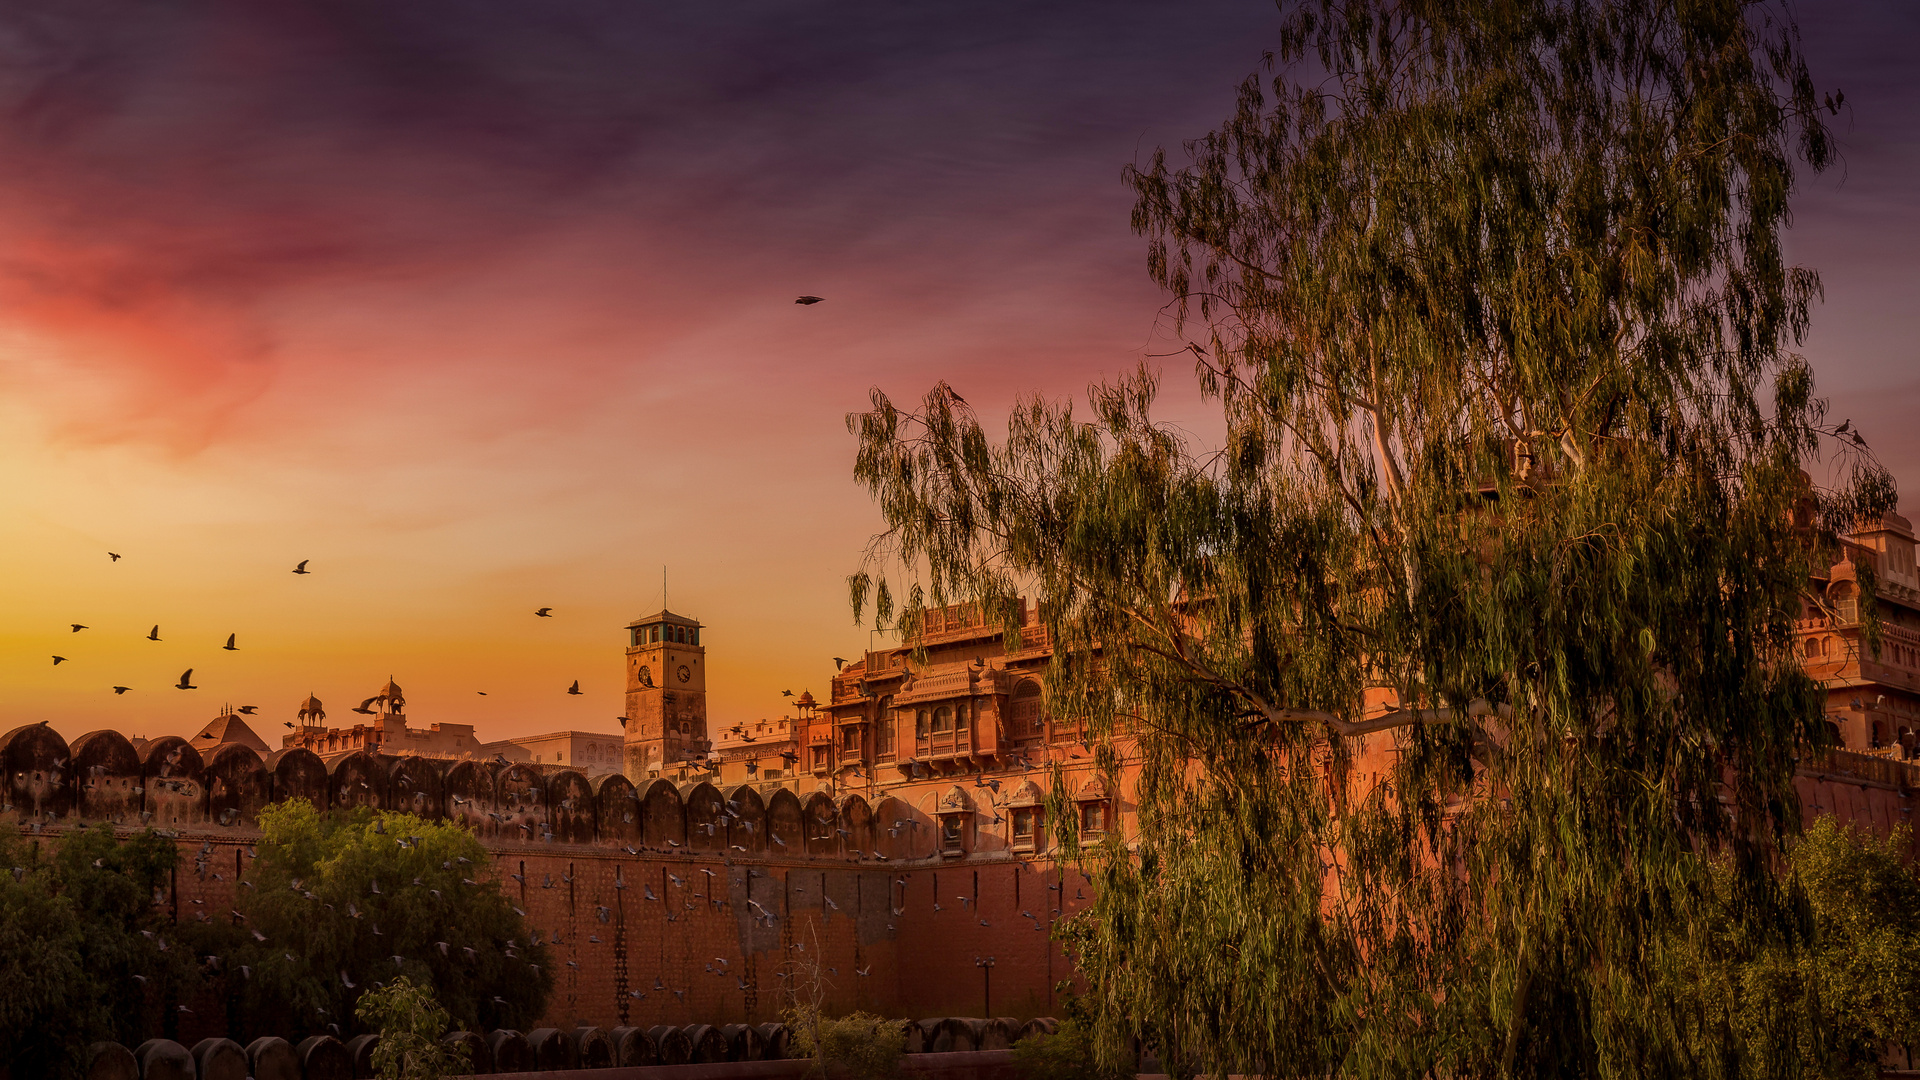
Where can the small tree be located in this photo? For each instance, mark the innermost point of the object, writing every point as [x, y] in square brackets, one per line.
[346, 900]
[1865, 962]
[410, 1023]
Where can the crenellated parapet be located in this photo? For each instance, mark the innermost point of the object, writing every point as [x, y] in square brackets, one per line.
[169, 784]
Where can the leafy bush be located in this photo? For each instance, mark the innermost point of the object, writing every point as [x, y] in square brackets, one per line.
[410, 1023]
[857, 1046]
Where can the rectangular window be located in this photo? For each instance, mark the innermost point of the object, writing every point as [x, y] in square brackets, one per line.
[950, 832]
[883, 737]
[1024, 824]
[850, 740]
[920, 723]
[819, 758]
[1093, 818]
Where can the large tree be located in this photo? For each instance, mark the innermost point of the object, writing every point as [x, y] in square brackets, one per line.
[1510, 507]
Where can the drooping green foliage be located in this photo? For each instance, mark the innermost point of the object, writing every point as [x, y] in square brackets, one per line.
[1448, 669]
[345, 902]
[411, 1024]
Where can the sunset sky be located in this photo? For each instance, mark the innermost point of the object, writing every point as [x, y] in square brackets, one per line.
[485, 306]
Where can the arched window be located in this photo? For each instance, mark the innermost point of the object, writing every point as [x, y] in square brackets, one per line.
[942, 720]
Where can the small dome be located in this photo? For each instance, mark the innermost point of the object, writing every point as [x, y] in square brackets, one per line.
[806, 698]
[391, 690]
[312, 704]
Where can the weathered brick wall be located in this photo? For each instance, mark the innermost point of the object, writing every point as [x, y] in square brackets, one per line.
[841, 882]
[901, 929]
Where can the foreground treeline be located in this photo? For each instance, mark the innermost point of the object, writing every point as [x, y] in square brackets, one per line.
[336, 905]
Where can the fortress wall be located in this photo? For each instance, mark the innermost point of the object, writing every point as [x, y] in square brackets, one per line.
[853, 884]
[579, 856]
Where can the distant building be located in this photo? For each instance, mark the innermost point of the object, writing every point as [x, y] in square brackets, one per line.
[1873, 701]
[591, 752]
[385, 731]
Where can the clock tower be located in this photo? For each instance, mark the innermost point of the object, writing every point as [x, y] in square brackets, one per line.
[666, 694]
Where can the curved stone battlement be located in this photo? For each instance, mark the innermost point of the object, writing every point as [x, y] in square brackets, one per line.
[169, 784]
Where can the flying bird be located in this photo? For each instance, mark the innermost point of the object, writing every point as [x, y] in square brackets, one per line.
[545, 613]
[113, 556]
[575, 688]
[154, 634]
[248, 709]
[482, 693]
[302, 568]
[186, 681]
[58, 660]
[786, 693]
[77, 627]
[839, 663]
[121, 689]
[805, 301]
[230, 646]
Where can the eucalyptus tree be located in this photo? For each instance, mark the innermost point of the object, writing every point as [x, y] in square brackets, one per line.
[1509, 508]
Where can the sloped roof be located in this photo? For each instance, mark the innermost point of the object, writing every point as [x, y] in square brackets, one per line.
[227, 728]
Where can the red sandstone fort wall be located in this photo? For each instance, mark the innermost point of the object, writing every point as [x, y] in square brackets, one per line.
[902, 929]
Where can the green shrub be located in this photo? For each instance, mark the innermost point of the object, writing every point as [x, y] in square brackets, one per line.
[410, 1023]
[857, 1046]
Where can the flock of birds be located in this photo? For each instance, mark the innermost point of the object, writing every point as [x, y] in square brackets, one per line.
[232, 645]
[186, 677]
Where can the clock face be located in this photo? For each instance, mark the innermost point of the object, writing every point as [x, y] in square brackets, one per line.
[684, 674]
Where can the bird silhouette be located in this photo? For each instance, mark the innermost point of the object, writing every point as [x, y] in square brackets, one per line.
[58, 660]
[302, 568]
[575, 688]
[807, 301]
[482, 693]
[839, 663]
[121, 689]
[248, 709]
[545, 613]
[77, 627]
[113, 556]
[154, 634]
[786, 693]
[230, 646]
[186, 681]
